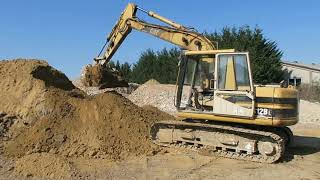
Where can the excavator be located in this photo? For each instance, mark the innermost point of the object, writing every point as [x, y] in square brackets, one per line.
[220, 111]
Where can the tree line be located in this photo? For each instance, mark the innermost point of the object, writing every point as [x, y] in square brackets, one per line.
[162, 65]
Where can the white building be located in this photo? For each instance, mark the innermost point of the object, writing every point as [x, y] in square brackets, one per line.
[302, 73]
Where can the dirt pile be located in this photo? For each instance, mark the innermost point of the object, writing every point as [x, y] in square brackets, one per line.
[24, 88]
[102, 77]
[68, 122]
[105, 126]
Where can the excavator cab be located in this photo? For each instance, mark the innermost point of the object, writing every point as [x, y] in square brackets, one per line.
[216, 83]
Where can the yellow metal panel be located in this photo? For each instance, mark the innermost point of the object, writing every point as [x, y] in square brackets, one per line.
[285, 93]
[276, 92]
[268, 105]
[187, 53]
[264, 92]
[266, 122]
[257, 121]
[276, 106]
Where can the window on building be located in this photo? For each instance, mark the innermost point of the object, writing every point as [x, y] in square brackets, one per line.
[295, 81]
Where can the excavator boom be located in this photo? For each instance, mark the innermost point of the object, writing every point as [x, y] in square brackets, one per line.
[175, 33]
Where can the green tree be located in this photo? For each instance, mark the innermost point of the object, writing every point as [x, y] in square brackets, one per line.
[265, 56]
[143, 69]
[161, 65]
[125, 71]
[117, 65]
[111, 64]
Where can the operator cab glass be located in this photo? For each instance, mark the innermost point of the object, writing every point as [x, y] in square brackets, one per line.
[206, 80]
[233, 72]
[198, 80]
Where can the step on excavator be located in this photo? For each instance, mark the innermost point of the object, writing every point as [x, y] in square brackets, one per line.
[220, 111]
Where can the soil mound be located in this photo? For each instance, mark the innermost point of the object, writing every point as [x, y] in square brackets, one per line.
[24, 87]
[104, 126]
[70, 123]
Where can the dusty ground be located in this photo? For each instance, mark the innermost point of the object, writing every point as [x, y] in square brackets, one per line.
[302, 161]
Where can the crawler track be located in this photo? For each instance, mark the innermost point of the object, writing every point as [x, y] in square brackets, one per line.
[250, 143]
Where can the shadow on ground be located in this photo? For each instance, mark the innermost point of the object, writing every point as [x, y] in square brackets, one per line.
[302, 146]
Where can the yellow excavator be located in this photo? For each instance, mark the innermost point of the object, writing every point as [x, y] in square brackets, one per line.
[220, 110]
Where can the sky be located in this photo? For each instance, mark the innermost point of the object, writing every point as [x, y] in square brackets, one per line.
[70, 33]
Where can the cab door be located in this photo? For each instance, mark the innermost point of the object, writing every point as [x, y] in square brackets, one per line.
[234, 92]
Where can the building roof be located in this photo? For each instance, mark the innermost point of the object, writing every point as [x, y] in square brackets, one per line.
[313, 66]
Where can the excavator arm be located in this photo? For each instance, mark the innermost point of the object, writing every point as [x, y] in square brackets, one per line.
[177, 34]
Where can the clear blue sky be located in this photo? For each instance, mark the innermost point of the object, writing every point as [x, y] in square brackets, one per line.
[69, 33]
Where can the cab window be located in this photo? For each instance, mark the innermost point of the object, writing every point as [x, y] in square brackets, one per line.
[233, 73]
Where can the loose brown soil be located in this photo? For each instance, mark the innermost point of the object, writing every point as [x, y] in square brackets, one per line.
[24, 88]
[64, 121]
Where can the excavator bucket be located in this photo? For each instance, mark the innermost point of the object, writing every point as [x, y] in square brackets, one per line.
[102, 77]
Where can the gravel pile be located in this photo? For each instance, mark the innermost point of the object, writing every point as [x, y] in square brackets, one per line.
[309, 112]
[157, 95]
